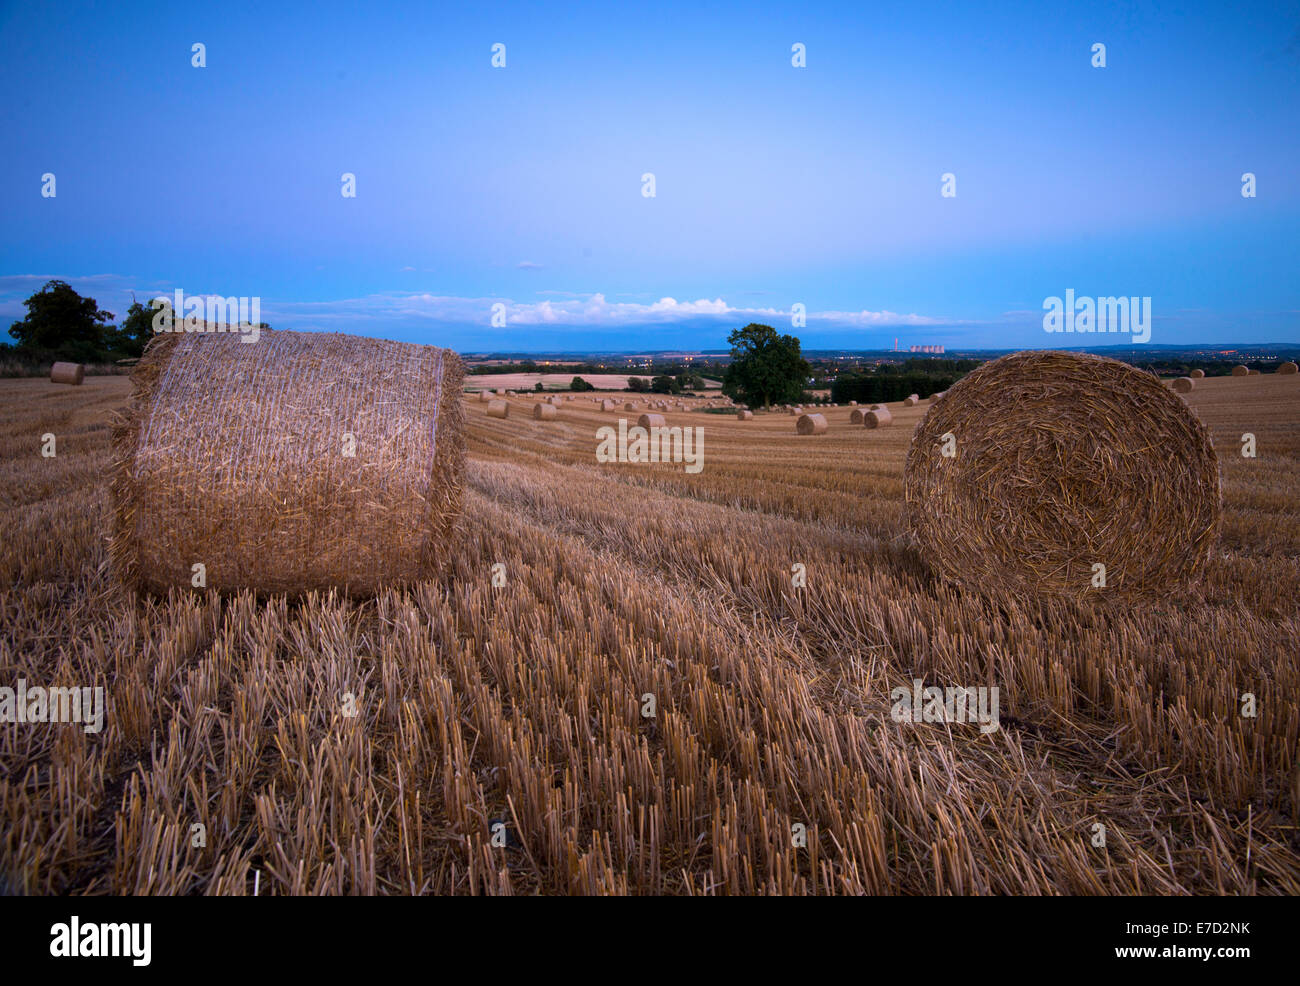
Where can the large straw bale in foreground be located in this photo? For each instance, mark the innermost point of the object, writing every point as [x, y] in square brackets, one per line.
[810, 424]
[304, 461]
[72, 373]
[1062, 462]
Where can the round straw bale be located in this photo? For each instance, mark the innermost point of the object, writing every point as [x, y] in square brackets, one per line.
[912, 401]
[484, 396]
[631, 406]
[501, 392]
[744, 415]
[1197, 374]
[1240, 371]
[544, 412]
[608, 405]
[650, 420]
[810, 424]
[856, 416]
[499, 409]
[853, 403]
[1288, 368]
[1184, 385]
[1255, 373]
[877, 418]
[1063, 462]
[795, 412]
[72, 373]
[938, 396]
[305, 462]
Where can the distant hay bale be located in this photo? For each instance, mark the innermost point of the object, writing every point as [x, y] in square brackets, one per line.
[877, 418]
[631, 406]
[1240, 371]
[744, 415]
[501, 392]
[912, 401]
[1197, 374]
[651, 420]
[810, 424]
[1062, 462]
[302, 462]
[856, 416]
[500, 409]
[853, 403]
[795, 412]
[72, 373]
[1184, 385]
[544, 412]
[484, 396]
[1255, 373]
[879, 407]
[608, 405]
[1288, 368]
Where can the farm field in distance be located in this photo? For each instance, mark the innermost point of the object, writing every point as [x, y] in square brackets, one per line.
[1122, 763]
[559, 381]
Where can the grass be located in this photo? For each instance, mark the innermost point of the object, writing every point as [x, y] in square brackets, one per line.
[522, 704]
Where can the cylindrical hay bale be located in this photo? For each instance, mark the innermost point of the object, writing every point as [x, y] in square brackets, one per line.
[1255, 373]
[608, 405]
[856, 415]
[879, 407]
[501, 392]
[544, 412]
[1063, 462]
[938, 396]
[307, 462]
[877, 418]
[744, 415]
[795, 412]
[1184, 385]
[1197, 374]
[499, 409]
[631, 406]
[912, 401]
[72, 373]
[1288, 368]
[1240, 371]
[853, 403]
[651, 420]
[810, 424]
[484, 396]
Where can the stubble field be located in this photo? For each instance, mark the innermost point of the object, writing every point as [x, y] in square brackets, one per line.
[521, 704]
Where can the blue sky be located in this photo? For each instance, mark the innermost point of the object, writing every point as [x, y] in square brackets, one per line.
[774, 185]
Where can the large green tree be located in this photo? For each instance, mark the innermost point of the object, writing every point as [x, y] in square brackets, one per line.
[766, 367]
[63, 323]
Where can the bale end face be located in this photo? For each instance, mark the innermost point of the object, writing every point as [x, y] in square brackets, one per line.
[1063, 474]
[1184, 385]
[856, 416]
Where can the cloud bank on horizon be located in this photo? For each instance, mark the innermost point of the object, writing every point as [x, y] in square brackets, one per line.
[926, 173]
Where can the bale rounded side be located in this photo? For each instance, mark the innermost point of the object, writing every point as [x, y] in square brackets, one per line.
[71, 373]
[811, 424]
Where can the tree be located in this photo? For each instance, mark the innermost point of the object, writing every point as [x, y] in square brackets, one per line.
[638, 384]
[134, 334]
[61, 322]
[579, 384]
[765, 367]
[664, 384]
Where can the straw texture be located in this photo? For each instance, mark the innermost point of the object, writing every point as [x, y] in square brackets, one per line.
[810, 424]
[1288, 367]
[1184, 385]
[1063, 461]
[236, 456]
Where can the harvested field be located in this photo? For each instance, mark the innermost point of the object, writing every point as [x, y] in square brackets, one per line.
[559, 381]
[523, 702]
